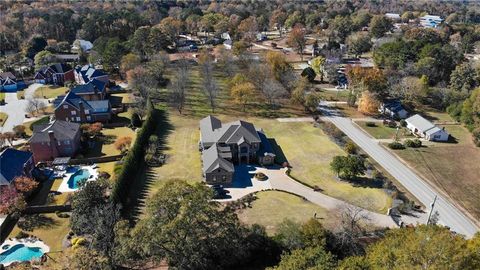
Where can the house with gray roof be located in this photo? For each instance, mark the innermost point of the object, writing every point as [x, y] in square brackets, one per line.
[426, 129]
[224, 145]
[74, 108]
[14, 163]
[87, 73]
[55, 139]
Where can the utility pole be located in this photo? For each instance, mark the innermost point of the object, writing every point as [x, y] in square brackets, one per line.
[431, 209]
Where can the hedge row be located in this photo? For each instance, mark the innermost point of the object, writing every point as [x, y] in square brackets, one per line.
[135, 157]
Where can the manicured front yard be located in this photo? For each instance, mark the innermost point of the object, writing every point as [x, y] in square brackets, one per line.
[452, 167]
[309, 151]
[272, 207]
[50, 91]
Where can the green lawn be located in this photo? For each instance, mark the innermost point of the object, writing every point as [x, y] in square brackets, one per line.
[272, 207]
[3, 118]
[2, 95]
[381, 131]
[50, 91]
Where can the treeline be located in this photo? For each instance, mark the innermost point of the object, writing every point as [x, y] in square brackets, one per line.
[134, 160]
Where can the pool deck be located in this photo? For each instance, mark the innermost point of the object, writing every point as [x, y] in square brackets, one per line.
[64, 185]
[28, 242]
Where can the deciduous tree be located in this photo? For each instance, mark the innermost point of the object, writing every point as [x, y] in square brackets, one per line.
[296, 39]
[243, 93]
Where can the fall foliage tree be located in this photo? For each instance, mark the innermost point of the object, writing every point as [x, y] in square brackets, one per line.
[318, 65]
[278, 64]
[11, 201]
[368, 103]
[24, 184]
[243, 93]
[123, 143]
[129, 62]
[296, 39]
[248, 29]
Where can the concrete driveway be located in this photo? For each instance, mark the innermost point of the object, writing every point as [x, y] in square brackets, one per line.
[16, 108]
[245, 183]
[449, 214]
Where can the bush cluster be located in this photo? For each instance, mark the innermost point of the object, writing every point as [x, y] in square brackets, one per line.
[415, 143]
[370, 124]
[396, 145]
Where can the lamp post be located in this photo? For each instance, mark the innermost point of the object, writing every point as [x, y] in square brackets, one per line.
[431, 209]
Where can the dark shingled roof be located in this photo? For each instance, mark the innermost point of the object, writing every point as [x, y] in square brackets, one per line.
[88, 72]
[212, 160]
[12, 163]
[91, 87]
[60, 68]
[62, 130]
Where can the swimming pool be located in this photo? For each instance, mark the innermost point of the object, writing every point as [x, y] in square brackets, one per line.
[20, 253]
[75, 178]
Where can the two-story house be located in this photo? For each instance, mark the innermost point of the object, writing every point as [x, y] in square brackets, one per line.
[56, 139]
[93, 90]
[87, 73]
[10, 83]
[57, 74]
[224, 145]
[74, 108]
[14, 163]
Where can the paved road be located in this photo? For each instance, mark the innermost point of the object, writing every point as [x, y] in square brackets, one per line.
[16, 108]
[449, 214]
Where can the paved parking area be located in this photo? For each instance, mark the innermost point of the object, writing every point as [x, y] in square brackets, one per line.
[245, 183]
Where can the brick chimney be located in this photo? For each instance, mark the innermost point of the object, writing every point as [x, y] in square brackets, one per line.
[53, 143]
[82, 111]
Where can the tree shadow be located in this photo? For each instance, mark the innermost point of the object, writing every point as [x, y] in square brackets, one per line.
[146, 175]
[361, 181]
[37, 221]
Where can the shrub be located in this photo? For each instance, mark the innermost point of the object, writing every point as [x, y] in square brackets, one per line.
[331, 130]
[123, 143]
[274, 45]
[403, 123]
[415, 143]
[350, 147]
[370, 124]
[396, 145]
[261, 176]
[22, 235]
[309, 73]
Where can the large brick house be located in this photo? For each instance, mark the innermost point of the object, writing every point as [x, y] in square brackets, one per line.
[73, 108]
[87, 73]
[55, 139]
[56, 74]
[224, 145]
[93, 90]
[14, 163]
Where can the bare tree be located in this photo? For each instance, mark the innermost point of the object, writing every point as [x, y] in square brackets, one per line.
[210, 86]
[178, 87]
[35, 105]
[353, 221]
[272, 90]
[226, 61]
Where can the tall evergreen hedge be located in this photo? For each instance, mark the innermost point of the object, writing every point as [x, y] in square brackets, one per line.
[133, 160]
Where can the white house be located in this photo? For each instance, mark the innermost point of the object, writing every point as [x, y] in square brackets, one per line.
[393, 16]
[426, 129]
[393, 108]
[430, 21]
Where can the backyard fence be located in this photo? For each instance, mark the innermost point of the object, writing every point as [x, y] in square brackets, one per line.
[40, 209]
[95, 159]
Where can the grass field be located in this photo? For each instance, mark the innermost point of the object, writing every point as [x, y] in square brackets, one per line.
[272, 207]
[50, 91]
[381, 131]
[2, 95]
[3, 118]
[452, 167]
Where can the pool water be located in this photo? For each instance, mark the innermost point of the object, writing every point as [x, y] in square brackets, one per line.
[20, 253]
[73, 181]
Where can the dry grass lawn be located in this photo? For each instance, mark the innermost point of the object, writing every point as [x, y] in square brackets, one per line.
[51, 232]
[453, 168]
[272, 207]
[3, 118]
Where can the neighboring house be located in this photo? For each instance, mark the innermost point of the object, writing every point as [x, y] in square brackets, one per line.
[83, 45]
[393, 16]
[56, 74]
[224, 145]
[93, 90]
[87, 73]
[56, 139]
[228, 44]
[14, 163]
[426, 129]
[73, 108]
[393, 108]
[9, 83]
[430, 21]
